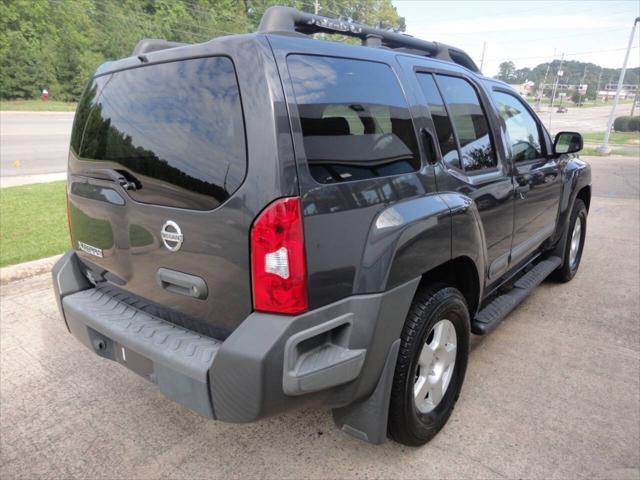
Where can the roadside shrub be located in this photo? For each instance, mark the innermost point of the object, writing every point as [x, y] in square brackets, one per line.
[627, 124]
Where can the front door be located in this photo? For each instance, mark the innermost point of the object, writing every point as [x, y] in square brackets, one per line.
[536, 176]
[471, 163]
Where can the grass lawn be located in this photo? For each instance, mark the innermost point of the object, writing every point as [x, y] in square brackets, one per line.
[619, 138]
[591, 151]
[33, 222]
[38, 106]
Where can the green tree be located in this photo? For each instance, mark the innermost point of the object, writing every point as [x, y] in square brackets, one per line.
[575, 97]
[506, 72]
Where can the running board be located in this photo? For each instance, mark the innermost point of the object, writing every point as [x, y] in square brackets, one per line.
[490, 316]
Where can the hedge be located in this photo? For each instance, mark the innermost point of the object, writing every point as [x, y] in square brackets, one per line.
[627, 124]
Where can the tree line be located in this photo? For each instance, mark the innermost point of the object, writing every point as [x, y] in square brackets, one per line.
[574, 73]
[57, 44]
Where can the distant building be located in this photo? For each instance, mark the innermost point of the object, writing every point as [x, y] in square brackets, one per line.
[567, 88]
[609, 91]
[526, 88]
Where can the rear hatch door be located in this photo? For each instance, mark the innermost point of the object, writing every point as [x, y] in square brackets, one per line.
[157, 153]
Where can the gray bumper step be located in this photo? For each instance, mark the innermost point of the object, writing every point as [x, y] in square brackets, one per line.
[490, 316]
[180, 358]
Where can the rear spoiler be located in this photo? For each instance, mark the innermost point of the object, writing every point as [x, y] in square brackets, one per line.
[147, 45]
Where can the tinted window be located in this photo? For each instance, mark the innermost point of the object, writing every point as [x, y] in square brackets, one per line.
[469, 121]
[355, 120]
[521, 127]
[175, 128]
[441, 120]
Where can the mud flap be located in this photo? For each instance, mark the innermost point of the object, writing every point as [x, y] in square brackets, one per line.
[367, 420]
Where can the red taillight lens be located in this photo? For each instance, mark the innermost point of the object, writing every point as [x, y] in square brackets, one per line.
[278, 266]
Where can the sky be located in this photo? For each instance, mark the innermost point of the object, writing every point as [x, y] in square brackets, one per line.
[527, 32]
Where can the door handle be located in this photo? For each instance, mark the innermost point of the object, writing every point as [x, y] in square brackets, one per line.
[429, 146]
[182, 283]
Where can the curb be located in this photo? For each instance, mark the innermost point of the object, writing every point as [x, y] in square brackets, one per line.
[19, 180]
[40, 112]
[21, 271]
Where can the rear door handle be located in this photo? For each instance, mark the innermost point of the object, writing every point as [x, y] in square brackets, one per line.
[429, 146]
[182, 283]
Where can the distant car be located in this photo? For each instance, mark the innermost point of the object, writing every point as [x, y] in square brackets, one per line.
[562, 110]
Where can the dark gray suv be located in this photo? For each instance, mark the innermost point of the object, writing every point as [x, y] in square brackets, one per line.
[267, 221]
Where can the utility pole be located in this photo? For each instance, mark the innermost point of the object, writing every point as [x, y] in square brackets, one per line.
[544, 82]
[555, 87]
[584, 74]
[484, 48]
[316, 6]
[598, 87]
[604, 148]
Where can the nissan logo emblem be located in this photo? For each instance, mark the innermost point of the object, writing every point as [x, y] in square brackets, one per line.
[171, 235]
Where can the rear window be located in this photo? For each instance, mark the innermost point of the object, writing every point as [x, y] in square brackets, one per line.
[176, 129]
[355, 120]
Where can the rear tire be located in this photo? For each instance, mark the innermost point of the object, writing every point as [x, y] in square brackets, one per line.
[574, 243]
[434, 351]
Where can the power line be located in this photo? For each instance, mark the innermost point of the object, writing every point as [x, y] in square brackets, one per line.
[509, 11]
[127, 19]
[203, 32]
[566, 55]
[583, 34]
[610, 14]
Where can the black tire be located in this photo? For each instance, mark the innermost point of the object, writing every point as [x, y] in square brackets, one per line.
[407, 425]
[568, 269]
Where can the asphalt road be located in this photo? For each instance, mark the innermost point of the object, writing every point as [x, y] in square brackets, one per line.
[591, 119]
[33, 143]
[554, 392]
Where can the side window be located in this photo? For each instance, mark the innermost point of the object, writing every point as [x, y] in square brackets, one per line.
[470, 123]
[521, 127]
[355, 119]
[444, 129]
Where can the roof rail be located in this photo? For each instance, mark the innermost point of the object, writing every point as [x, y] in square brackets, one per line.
[147, 45]
[287, 19]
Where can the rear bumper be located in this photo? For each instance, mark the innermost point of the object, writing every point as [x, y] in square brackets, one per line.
[271, 363]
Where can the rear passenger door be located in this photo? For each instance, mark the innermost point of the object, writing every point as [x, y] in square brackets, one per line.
[357, 150]
[536, 175]
[472, 160]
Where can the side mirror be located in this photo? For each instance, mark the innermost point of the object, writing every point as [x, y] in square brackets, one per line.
[567, 142]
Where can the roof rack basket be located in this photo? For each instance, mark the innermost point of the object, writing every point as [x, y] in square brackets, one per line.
[289, 20]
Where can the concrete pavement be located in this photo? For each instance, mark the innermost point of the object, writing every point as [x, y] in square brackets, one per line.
[554, 392]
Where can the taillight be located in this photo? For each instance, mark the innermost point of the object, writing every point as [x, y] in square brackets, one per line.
[278, 266]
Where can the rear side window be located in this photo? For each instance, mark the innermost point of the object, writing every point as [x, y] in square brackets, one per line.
[175, 128]
[355, 119]
[442, 123]
[470, 123]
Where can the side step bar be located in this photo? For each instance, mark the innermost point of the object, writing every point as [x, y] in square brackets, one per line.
[490, 316]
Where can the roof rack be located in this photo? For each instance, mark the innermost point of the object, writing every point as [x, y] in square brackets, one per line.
[288, 20]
